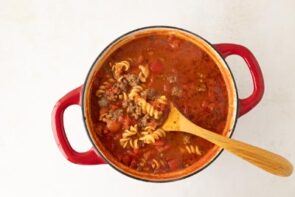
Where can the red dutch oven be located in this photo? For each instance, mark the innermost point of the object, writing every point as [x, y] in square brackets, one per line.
[80, 96]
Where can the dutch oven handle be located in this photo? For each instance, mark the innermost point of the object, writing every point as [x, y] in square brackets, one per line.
[251, 101]
[85, 158]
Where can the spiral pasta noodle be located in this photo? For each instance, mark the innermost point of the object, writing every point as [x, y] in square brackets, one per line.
[155, 164]
[162, 99]
[135, 92]
[193, 149]
[144, 73]
[147, 108]
[150, 137]
[123, 96]
[126, 137]
[119, 67]
[104, 86]
[130, 132]
[133, 143]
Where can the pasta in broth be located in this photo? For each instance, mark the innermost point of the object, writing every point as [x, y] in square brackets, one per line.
[130, 100]
[134, 102]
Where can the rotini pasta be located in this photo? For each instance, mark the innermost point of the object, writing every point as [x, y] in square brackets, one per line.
[149, 128]
[133, 143]
[126, 137]
[135, 92]
[155, 164]
[130, 132]
[147, 108]
[193, 149]
[105, 85]
[144, 73]
[123, 96]
[142, 162]
[150, 136]
[119, 67]
[162, 99]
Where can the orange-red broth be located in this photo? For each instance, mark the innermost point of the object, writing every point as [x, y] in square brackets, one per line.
[175, 64]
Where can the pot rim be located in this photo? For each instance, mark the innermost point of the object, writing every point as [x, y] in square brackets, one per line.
[218, 152]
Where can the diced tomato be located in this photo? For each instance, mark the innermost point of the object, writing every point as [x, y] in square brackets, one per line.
[166, 88]
[106, 131]
[139, 59]
[156, 67]
[154, 103]
[125, 121]
[126, 159]
[114, 90]
[159, 143]
[117, 136]
[147, 154]
[133, 163]
[162, 148]
[136, 151]
[121, 119]
[174, 164]
[103, 110]
[113, 126]
[153, 123]
[174, 71]
[157, 105]
[114, 106]
[132, 153]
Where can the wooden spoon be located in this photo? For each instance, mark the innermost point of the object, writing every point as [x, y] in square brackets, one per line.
[261, 158]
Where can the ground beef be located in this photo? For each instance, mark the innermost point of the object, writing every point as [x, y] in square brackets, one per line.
[122, 85]
[172, 79]
[111, 97]
[130, 108]
[134, 110]
[132, 79]
[143, 122]
[124, 104]
[138, 112]
[114, 115]
[143, 94]
[176, 91]
[151, 93]
[112, 93]
[103, 102]
[148, 94]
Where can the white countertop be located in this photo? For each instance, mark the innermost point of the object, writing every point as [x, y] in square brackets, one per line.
[47, 48]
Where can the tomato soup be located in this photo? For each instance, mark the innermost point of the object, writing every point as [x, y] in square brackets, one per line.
[130, 98]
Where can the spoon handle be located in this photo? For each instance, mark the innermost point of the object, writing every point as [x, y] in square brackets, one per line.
[261, 158]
